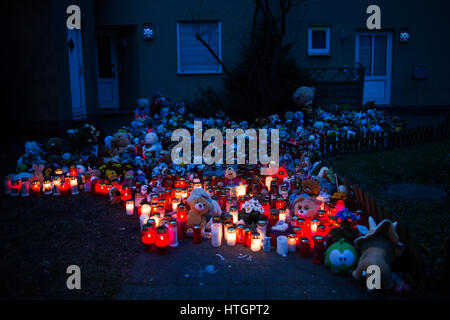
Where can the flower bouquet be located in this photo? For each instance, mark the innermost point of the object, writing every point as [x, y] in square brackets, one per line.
[251, 212]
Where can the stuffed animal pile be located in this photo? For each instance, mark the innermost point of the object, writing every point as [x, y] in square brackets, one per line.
[138, 158]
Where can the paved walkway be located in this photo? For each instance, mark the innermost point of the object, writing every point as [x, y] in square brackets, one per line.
[241, 274]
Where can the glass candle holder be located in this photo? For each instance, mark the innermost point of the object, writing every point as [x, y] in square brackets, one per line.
[129, 207]
[261, 228]
[175, 203]
[87, 184]
[229, 205]
[161, 210]
[231, 236]
[322, 215]
[256, 242]
[74, 185]
[73, 172]
[145, 209]
[304, 248]
[298, 234]
[36, 187]
[197, 233]
[234, 213]
[319, 250]
[56, 186]
[181, 213]
[321, 230]
[248, 237]
[15, 188]
[273, 219]
[292, 242]
[314, 225]
[267, 243]
[173, 233]
[47, 187]
[282, 214]
[294, 221]
[148, 235]
[162, 240]
[282, 245]
[240, 233]
[279, 202]
[25, 187]
[143, 220]
[216, 234]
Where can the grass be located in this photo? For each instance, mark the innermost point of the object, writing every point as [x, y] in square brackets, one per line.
[41, 236]
[429, 221]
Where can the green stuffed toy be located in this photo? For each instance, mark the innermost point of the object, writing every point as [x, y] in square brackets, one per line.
[341, 257]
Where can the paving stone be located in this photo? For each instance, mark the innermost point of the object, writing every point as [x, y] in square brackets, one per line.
[266, 276]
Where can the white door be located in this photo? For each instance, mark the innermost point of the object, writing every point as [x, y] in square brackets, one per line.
[374, 52]
[107, 81]
[76, 70]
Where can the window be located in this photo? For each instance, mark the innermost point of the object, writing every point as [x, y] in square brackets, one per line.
[319, 41]
[193, 56]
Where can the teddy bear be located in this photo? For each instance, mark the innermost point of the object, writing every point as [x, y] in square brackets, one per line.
[202, 208]
[379, 245]
[151, 144]
[119, 143]
[54, 149]
[306, 207]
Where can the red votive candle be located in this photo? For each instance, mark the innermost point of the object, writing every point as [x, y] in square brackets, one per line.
[162, 240]
[319, 250]
[197, 234]
[247, 237]
[304, 248]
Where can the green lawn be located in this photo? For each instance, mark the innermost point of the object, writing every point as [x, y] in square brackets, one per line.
[429, 164]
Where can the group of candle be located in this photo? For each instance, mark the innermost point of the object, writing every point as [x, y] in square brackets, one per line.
[163, 216]
[57, 185]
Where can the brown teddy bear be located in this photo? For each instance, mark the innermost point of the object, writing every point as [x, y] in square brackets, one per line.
[311, 187]
[119, 143]
[202, 208]
[306, 207]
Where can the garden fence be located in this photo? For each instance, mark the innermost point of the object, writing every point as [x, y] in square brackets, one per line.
[382, 141]
[412, 261]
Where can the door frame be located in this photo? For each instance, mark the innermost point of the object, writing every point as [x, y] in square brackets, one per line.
[77, 77]
[115, 80]
[388, 77]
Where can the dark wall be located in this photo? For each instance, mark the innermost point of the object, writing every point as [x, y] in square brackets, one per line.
[29, 70]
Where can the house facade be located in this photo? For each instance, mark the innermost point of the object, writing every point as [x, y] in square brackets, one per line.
[127, 50]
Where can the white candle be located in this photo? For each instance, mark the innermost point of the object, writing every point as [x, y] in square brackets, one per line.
[74, 185]
[282, 245]
[173, 234]
[175, 203]
[241, 190]
[268, 181]
[143, 220]
[129, 206]
[282, 215]
[292, 244]
[314, 224]
[234, 213]
[256, 242]
[56, 187]
[145, 209]
[216, 235]
[231, 236]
